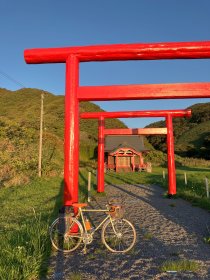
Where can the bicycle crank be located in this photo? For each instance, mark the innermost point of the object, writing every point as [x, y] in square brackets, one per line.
[87, 238]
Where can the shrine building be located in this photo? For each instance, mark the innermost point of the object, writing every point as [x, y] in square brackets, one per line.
[125, 153]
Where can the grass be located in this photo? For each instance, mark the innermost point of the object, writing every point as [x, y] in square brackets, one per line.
[23, 250]
[206, 239]
[147, 236]
[180, 265]
[194, 191]
[75, 276]
[25, 216]
[172, 205]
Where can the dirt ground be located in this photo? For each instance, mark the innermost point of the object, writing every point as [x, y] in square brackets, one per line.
[167, 229]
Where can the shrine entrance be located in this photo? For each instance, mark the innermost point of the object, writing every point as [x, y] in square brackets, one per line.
[124, 160]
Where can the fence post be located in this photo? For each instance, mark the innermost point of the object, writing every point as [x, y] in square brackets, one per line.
[207, 187]
[164, 176]
[89, 185]
[96, 177]
[185, 178]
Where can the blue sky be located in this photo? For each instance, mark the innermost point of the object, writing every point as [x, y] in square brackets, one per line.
[26, 24]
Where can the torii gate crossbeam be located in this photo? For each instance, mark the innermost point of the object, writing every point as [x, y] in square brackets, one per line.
[136, 131]
[144, 92]
[137, 114]
[72, 56]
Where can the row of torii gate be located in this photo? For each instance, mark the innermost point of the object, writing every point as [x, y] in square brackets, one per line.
[73, 56]
[167, 114]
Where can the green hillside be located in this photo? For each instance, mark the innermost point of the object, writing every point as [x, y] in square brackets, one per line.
[19, 134]
[195, 142]
[192, 135]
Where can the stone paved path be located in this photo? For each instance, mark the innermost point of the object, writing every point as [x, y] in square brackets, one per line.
[167, 229]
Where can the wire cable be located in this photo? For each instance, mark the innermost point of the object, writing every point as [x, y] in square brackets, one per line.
[11, 79]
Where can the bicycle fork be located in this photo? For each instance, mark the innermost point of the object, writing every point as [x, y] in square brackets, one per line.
[113, 227]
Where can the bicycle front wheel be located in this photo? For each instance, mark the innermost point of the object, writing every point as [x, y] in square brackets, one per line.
[66, 234]
[119, 236]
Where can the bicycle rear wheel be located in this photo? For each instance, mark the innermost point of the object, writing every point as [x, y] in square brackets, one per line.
[119, 236]
[66, 234]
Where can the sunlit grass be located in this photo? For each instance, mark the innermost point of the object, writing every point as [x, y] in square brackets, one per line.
[194, 191]
[180, 265]
[25, 216]
[206, 239]
[24, 250]
[75, 276]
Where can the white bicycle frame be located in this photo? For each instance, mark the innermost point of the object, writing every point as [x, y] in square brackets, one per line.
[80, 212]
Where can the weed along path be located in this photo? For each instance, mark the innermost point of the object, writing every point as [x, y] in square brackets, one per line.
[170, 238]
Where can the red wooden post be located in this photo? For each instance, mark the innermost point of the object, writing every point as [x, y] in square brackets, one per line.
[170, 155]
[141, 160]
[71, 144]
[100, 187]
[116, 163]
[133, 163]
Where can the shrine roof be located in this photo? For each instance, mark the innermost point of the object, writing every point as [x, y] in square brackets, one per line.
[113, 142]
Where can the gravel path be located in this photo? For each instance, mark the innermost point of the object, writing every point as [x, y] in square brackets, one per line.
[167, 229]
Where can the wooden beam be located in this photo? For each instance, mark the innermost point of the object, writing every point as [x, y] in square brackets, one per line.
[144, 92]
[137, 114]
[148, 51]
[136, 131]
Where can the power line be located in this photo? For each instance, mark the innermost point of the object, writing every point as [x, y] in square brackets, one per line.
[11, 79]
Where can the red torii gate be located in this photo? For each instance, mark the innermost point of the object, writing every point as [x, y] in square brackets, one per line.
[72, 56]
[167, 114]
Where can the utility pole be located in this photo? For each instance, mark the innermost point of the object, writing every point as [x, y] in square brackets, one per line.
[40, 136]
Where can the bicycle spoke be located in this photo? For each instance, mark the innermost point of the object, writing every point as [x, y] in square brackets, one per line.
[63, 235]
[119, 235]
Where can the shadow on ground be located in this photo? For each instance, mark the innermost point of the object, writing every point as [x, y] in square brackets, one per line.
[166, 230]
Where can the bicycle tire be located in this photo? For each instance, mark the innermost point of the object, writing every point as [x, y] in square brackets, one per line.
[125, 238]
[66, 234]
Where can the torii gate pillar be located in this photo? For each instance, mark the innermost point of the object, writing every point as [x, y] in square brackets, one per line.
[71, 144]
[100, 173]
[170, 155]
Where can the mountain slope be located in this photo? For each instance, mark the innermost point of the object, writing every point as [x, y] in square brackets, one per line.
[192, 135]
[195, 142]
[19, 134]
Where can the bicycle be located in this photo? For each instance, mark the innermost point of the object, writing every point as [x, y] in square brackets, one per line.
[117, 234]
